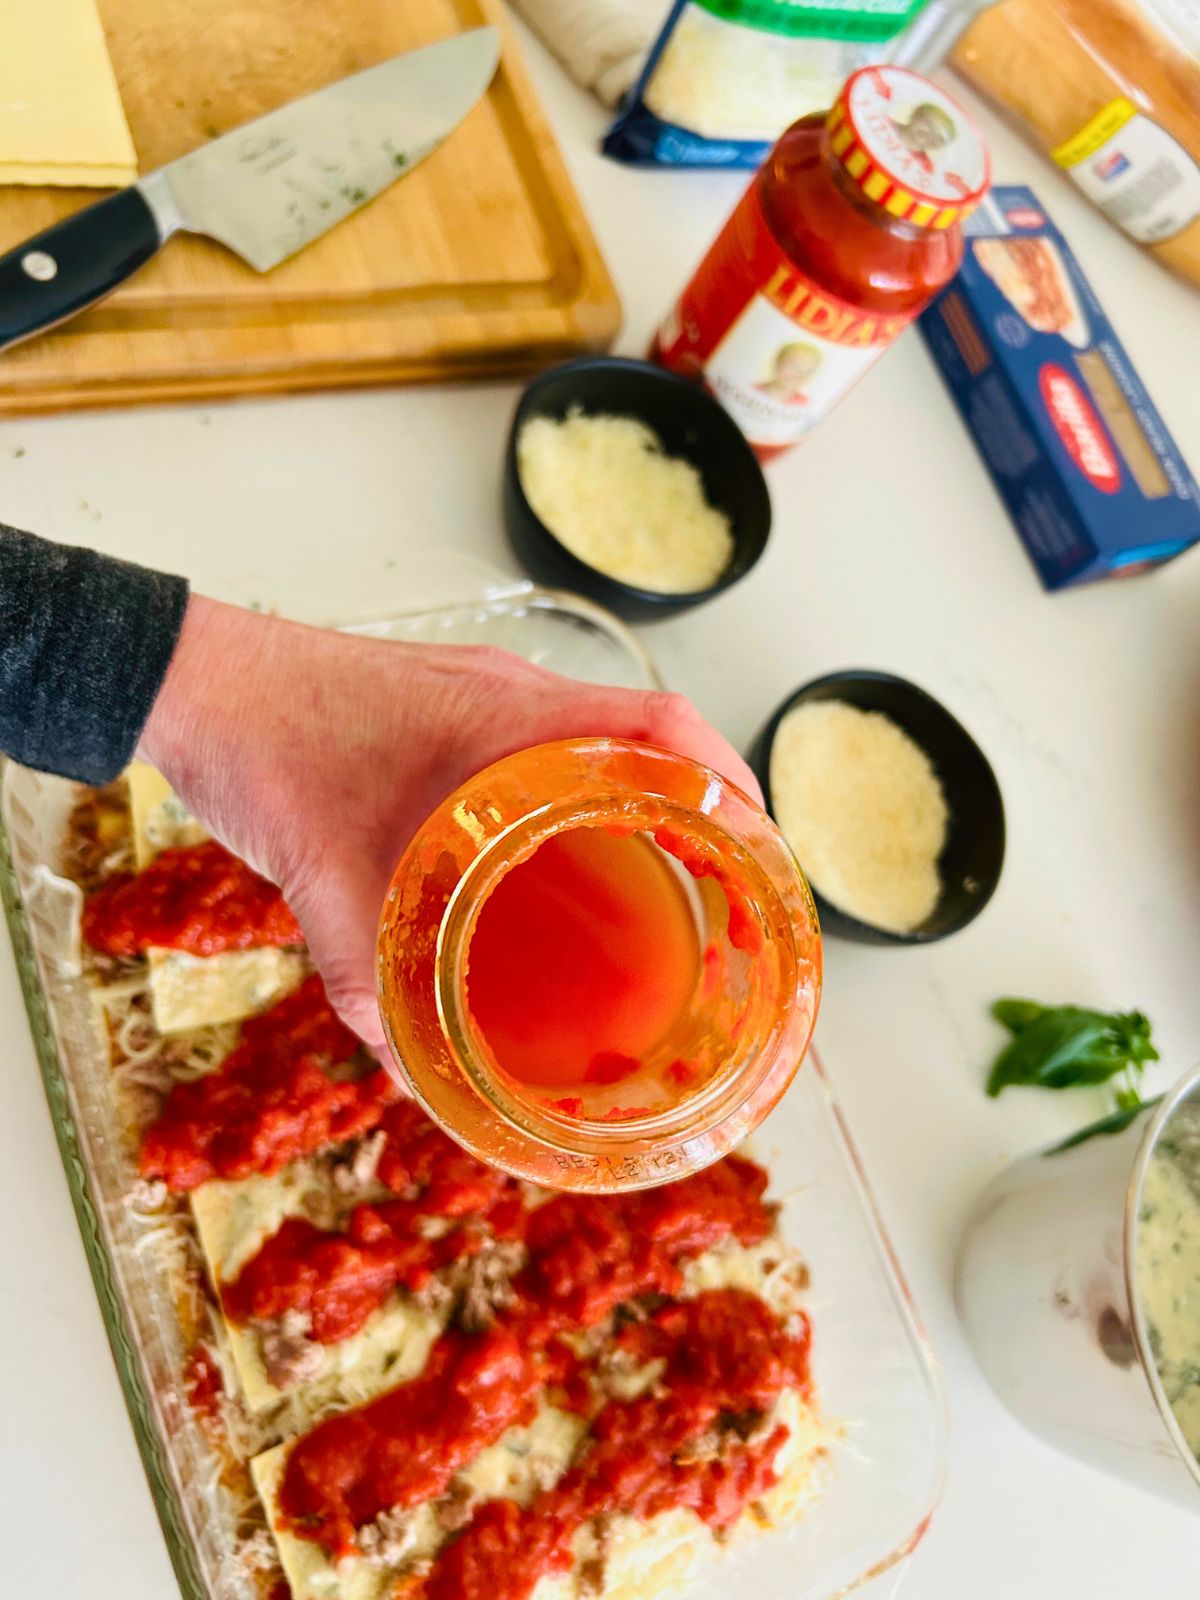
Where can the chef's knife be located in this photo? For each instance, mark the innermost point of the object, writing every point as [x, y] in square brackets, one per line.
[265, 190]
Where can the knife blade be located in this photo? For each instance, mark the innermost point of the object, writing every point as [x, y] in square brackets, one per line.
[265, 190]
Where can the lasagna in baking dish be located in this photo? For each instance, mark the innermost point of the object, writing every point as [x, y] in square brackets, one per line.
[420, 1377]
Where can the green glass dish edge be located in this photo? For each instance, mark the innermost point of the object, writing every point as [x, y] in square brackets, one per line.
[137, 1401]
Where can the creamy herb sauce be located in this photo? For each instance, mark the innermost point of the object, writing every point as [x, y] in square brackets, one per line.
[1169, 1271]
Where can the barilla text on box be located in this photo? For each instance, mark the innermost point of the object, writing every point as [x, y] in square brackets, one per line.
[1092, 479]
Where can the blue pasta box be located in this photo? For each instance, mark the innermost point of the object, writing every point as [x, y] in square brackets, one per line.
[1090, 476]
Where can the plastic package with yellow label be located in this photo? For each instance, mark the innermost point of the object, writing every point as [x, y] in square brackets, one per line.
[1110, 89]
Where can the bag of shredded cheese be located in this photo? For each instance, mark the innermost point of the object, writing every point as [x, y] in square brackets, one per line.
[725, 77]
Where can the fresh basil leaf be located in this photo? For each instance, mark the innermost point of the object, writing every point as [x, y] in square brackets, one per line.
[1018, 1014]
[1134, 1031]
[1070, 1046]
[1115, 1122]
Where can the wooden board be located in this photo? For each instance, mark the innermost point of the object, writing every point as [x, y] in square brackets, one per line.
[478, 262]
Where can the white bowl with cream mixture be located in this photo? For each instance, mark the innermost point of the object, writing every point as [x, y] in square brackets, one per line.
[1078, 1285]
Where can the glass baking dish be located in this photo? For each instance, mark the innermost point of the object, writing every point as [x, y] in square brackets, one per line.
[876, 1375]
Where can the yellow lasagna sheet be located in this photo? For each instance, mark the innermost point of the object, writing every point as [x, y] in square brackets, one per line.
[188, 991]
[233, 1221]
[61, 118]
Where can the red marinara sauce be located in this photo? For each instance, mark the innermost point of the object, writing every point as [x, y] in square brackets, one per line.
[198, 898]
[339, 1277]
[587, 1255]
[202, 1382]
[697, 1441]
[844, 236]
[272, 1098]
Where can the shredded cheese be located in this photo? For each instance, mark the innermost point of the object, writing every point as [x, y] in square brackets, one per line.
[728, 79]
[862, 807]
[606, 488]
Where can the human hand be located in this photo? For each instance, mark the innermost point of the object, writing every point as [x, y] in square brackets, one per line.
[316, 756]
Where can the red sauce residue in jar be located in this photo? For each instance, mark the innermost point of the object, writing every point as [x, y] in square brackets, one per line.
[695, 1441]
[587, 1254]
[271, 1100]
[199, 899]
[583, 957]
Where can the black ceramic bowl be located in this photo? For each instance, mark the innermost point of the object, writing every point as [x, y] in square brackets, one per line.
[970, 863]
[690, 424]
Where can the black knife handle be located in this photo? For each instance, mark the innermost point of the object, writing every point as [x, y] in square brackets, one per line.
[67, 267]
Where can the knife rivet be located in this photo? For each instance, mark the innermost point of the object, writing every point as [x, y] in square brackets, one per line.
[38, 265]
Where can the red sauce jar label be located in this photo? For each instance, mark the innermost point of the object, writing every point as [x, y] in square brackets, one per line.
[775, 348]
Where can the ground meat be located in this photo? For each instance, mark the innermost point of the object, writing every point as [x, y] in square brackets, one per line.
[357, 1171]
[750, 1426]
[544, 1471]
[388, 1540]
[706, 1446]
[639, 1310]
[456, 1508]
[143, 1104]
[786, 1286]
[747, 1426]
[321, 1208]
[435, 1297]
[289, 1356]
[482, 1285]
[594, 1343]
[257, 1551]
[592, 1571]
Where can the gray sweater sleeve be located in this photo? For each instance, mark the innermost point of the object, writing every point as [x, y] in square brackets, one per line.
[85, 641]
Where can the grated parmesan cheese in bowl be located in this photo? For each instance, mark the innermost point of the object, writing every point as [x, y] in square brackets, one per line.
[861, 805]
[607, 490]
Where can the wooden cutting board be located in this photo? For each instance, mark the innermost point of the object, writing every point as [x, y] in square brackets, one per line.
[478, 262]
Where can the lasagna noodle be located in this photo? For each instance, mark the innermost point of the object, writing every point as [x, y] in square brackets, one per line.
[190, 992]
[233, 1220]
[196, 991]
[61, 119]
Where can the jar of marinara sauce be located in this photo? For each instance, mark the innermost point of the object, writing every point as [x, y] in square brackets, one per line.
[599, 965]
[846, 233]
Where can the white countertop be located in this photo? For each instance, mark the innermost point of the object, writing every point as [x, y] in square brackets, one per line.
[898, 556]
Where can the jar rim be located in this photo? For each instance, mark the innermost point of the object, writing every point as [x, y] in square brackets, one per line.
[501, 816]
